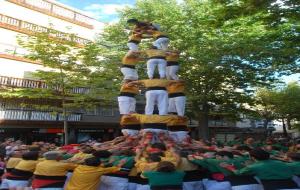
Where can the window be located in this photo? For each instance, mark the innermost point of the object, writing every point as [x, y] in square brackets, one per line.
[107, 111]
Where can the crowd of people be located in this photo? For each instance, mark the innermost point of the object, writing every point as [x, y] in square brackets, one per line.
[136, 163]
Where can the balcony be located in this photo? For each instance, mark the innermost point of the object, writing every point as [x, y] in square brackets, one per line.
[27, 83]
[55, 10]
[12, 50]
[30, 28]
[28, 115]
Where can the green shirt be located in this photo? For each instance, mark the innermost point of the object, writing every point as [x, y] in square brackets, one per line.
[233, 142]
[274, 152]
[240, 161]
[295, 167]
[281, 147]
[267, 170]
[67, 156]
[213, 165]
[128, 164]
[164, 178]
[105, 162]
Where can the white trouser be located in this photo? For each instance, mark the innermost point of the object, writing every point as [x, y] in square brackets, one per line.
[172, 72]
[157, 26]
[113, 183]
[248, 187]
[133, 46]
[162, 43]
[132, 186]
[177, 104]
[69, 175]
[215, 185]
[130, 132]
[159, 96]
[156, 131]
[12, 184]
[142, 187]
[126, 104]
[129, 74]
[179, 136]
[160, 63]
[192, 185]
[296, 179]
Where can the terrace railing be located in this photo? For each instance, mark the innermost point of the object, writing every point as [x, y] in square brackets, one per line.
[28, 83]
[55, 10]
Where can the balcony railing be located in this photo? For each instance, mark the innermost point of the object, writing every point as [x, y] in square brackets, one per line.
[30, 28]
[57, 11]
[12, 50]
[36, 116]
[27, 83]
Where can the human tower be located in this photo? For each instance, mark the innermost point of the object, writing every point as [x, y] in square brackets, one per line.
[165, 91]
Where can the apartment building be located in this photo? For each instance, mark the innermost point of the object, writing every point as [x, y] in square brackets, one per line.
[25, 17]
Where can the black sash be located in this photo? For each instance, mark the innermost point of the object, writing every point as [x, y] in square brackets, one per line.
[156, 88]
[121, 174]
[278, 184]
[154, 126]
[174, 95]
[133, 127]
[194, 175]
[175, 128]
[129, 94]
[166, 187]
[57, 181]
[50, 177]
[172, 63]
[19, 175]
[157, 57]
[240, 180]
[128, 66]
[134, 41]
[137, 179]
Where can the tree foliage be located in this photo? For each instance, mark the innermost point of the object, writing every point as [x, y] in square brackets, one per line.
[282, 104]
[229, 47]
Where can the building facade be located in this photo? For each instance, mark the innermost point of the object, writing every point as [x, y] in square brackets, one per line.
[25, 17]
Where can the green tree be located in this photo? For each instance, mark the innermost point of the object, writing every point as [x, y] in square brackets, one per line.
[264, 106]
[288, 103]
[282, 104]
[229, 47]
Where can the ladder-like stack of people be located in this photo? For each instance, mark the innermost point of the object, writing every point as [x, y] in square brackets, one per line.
[165, 91]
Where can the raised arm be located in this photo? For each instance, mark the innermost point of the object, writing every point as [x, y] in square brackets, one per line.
[176, 81]
[176, 156]
[136, 83]
[139, 153]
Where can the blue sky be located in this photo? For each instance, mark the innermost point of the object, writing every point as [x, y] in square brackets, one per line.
[102, 10]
